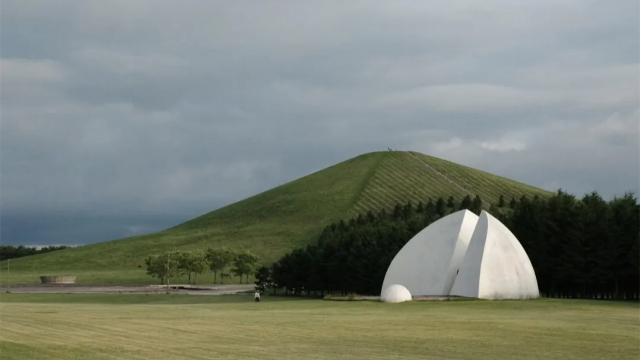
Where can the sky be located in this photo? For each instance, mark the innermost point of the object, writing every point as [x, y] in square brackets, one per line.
[125, 117]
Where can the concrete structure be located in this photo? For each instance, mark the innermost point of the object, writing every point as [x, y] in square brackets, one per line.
[58, 279]
[428, 263]
[495, 265]
[395, 293]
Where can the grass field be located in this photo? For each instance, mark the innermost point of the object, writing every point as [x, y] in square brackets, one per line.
[233, 327]
[278, 220]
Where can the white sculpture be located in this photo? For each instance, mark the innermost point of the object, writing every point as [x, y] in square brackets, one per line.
[395, 293]
[428, 263]
[464, 255]
[495, 265]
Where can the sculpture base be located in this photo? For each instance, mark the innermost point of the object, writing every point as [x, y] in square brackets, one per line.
[58, 279]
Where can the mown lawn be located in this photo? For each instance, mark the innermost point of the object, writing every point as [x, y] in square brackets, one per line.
[233, 327]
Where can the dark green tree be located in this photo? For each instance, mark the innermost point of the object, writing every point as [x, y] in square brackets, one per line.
[407, 210]
[263, 279]
[430, 209]
[476, 205]
[451, 202]
[397, 212]
[466, 203]
[501, 201]
[584, 248]
[440, 208]
[370, 217]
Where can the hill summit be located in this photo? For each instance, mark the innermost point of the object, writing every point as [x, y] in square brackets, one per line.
[288, 216]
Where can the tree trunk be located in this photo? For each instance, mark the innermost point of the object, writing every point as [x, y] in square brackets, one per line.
[215, 277]
[189, 278]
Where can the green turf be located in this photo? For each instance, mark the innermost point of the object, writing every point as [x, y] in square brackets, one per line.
[277, 220]
[233, 327]
[147, 299]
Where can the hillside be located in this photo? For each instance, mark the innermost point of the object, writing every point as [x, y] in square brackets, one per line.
[278, 220]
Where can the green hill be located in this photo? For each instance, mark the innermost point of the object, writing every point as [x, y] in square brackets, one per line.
[278, 220]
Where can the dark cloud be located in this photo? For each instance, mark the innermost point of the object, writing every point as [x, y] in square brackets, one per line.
[144, 114]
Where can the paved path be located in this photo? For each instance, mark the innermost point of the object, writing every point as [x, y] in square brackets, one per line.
[79, 289]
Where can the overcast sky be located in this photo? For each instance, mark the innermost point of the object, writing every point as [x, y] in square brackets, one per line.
[125, 117]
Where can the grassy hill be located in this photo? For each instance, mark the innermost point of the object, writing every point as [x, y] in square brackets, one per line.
[278, 220]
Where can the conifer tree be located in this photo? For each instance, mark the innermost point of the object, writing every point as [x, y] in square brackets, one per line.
[397, 212]
[501, 201]
[466, 203]
[451, 202]
[476, 205]
[440, 207]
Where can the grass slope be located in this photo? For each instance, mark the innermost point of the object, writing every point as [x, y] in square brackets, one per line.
[280, 219]
[233, 327]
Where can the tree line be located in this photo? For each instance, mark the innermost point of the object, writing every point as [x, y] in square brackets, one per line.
[221, 261]
[579, 248]
[13, 252]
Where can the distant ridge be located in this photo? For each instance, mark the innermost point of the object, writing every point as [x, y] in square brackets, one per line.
[291, 215]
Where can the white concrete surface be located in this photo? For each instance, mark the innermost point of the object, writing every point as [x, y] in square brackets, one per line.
[395, 294]
[428, 263]
[495, 265]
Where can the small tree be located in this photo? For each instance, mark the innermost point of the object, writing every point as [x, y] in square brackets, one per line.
[154, 268]
[163, 266]
[238, 272]
[183, 264]
[244, 263]
[218, 260]
[192, 263]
